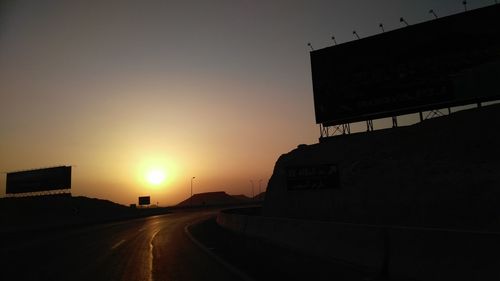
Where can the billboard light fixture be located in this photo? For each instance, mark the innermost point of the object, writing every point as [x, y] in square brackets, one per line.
[431, 11]
[401, 19]
[381, 25]
[334, 41]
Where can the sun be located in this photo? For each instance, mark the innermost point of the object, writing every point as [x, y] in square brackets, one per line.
[156, 172]
[156, 176]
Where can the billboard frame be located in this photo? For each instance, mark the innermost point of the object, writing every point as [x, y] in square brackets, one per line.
[144, 200]
[346, 97]
[41, 180]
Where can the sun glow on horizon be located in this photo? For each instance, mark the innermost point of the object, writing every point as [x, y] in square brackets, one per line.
[156, 172]
[156, 176]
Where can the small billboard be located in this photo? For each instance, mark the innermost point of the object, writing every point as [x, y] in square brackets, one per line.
[144, 200]
[312, 177]
[55, 178]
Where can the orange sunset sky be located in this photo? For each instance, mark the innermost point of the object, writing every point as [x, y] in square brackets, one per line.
[216, 90]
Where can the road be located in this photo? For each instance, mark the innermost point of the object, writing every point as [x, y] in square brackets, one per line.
[153, 248]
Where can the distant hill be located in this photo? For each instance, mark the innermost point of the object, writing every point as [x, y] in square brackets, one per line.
[41, 212]
[214, 198]
[242, 197]
[260, 197]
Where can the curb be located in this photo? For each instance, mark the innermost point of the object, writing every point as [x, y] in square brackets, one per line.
[216, 257]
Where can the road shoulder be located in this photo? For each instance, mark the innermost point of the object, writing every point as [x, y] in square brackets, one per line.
[262, 260]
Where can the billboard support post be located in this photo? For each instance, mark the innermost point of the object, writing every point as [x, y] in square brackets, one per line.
[369, 125]
[342, 129]
[394, 121]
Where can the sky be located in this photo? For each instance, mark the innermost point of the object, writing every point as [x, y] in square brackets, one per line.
[215, 90]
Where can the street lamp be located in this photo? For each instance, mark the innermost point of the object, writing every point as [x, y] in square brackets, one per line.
[192, 186]
[260, 181]
[253, 195]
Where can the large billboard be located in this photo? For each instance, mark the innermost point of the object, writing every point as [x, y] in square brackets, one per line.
[55, 178]
[444, 62]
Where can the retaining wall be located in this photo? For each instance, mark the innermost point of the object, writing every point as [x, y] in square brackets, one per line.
[401, 252]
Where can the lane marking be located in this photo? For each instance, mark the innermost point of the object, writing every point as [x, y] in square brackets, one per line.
[151, 256]
[118, 244]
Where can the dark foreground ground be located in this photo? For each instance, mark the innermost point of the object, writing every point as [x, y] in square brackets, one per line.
[156, 248]
[261, 260]
[76, 238]
[151, 248]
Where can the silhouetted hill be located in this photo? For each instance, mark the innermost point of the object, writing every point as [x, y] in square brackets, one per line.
[442, 172]
[59, 210]
[260, 197]
[213, 198]
[242, 197]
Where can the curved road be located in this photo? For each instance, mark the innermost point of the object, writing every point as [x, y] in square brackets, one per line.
[153, 248]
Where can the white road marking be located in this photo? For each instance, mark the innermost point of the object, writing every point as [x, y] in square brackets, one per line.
[151, 257]
[117, 244]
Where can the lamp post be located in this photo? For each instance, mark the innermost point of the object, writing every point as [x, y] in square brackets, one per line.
[192, 186]
[260, 181]
[253, 195]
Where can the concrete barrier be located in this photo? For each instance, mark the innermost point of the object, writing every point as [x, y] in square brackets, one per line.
[401, 252]
[357, 245]
[433, 254]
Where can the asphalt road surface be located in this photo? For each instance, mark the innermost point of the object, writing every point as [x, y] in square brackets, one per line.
[153, 248]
